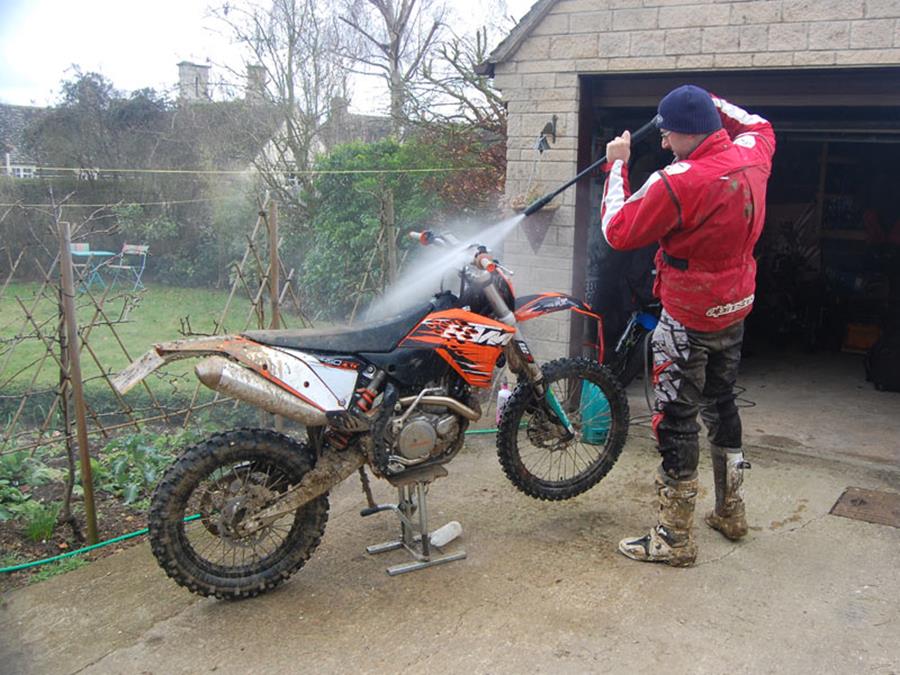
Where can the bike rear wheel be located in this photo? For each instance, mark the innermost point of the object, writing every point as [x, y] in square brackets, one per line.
[535, 452]
[198, 507]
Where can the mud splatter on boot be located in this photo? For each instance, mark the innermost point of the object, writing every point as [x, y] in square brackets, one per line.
[729, 516]
[671, 541]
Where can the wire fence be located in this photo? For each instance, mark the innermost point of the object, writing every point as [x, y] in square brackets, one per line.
[115, 316]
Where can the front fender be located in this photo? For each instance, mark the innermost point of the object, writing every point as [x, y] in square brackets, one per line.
[532, 306]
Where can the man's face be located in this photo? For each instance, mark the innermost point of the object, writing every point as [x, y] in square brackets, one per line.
[681, 145]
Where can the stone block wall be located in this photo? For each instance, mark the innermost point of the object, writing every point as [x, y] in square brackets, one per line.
[577, 37]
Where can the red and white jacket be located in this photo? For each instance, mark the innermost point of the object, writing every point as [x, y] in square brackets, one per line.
[706, 212]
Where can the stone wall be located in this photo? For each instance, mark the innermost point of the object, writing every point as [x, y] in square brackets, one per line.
[577, 37]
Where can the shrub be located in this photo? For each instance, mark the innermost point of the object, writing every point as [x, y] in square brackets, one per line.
[131, 465]
[40, 519]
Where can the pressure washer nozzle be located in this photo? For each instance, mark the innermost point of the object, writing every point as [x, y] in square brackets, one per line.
[538, 205]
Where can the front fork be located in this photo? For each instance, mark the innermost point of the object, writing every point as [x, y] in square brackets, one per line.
[521, 361]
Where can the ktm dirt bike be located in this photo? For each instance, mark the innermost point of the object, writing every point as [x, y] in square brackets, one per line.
[241, 511]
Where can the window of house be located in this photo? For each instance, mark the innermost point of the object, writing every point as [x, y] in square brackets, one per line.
[23, 171]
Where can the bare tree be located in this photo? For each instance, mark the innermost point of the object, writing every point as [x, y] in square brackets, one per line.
[400, 36]
[455, 93]
[296, 61]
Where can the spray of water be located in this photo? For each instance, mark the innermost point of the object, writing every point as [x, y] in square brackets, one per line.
[434, 269]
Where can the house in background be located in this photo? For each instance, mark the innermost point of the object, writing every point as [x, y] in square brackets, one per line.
[14, 119]
[232, 132]
[340, 127]
[826, 73]
[193, 82]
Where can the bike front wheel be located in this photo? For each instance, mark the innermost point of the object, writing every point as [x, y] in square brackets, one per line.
[539, 455]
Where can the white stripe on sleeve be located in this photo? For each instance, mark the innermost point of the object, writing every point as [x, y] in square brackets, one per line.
[738, 114]
[614, 199]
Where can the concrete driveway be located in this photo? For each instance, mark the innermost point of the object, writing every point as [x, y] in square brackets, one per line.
[542, 590]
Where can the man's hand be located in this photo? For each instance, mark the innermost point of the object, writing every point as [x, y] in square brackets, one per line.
[619, 148]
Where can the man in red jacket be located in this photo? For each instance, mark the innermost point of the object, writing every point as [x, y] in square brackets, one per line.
[706, 210]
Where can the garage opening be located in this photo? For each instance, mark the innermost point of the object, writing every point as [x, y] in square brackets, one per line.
[829, 259]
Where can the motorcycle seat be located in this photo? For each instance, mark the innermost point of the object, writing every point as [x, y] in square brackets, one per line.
[382, 336]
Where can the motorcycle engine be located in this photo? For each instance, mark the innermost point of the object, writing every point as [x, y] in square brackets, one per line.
[424, 434]
[415, 433]
[429, 433]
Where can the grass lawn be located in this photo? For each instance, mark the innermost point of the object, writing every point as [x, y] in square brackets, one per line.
[155, 318]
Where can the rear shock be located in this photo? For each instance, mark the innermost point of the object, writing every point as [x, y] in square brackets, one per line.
[360, 406]
[365, 396]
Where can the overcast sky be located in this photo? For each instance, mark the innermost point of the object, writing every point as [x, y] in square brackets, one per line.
[134, 43]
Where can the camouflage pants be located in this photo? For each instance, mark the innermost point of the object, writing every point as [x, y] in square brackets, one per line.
[694, 372]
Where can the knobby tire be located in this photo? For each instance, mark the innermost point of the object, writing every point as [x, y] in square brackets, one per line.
[520, 408]
[169, 508]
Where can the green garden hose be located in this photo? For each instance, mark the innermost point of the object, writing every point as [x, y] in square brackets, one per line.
[136, 533]
[44, 561]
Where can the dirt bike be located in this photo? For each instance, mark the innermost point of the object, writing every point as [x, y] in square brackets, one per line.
[632, 353]
[239, 512]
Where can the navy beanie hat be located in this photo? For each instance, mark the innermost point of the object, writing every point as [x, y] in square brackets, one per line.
[688, 110]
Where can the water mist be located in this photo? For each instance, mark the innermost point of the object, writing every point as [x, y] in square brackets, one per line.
[434, 269]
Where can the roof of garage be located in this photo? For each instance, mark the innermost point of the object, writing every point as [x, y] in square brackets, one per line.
[597, 36]
[516, 36]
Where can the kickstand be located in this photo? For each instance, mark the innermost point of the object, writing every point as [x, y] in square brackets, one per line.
[414, 534]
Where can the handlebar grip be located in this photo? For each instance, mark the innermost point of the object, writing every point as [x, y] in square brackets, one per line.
[425, 237]
[485, 262]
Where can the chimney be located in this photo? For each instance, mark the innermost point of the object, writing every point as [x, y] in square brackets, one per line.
[193, 82]
[339, 108]
[337, 131]
[256, 84]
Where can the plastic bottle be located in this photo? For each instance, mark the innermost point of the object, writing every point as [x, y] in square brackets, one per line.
[445, 534]
[502, 396]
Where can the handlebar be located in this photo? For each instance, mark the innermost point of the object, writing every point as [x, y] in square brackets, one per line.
[428, 237]
[425, 237]
[481, 259]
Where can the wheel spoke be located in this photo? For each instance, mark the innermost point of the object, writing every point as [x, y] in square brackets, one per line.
[246, 489]
[540, 461]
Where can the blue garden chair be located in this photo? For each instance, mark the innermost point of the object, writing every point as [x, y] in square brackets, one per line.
[87, 264]
[131, 261]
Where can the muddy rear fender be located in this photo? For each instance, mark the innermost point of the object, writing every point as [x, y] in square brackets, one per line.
[166, 352]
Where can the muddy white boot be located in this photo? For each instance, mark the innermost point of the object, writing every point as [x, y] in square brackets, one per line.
[729, 516]
[671, 541]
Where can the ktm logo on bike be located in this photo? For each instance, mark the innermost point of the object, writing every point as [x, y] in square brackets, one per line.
[473, 332]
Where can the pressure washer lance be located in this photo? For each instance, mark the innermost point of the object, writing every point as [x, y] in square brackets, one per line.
[635, 137]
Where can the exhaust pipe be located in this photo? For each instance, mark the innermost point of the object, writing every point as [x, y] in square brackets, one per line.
[225, 377]
[444, 401]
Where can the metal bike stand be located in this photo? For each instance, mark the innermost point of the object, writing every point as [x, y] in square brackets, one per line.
[414, 534]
